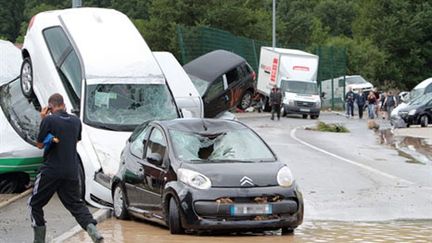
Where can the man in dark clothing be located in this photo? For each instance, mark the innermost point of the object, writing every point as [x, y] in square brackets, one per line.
[59, 172]
[275, 102]
[349, 99]
[361, 102]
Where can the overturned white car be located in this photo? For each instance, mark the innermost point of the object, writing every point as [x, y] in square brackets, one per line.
[108, 76]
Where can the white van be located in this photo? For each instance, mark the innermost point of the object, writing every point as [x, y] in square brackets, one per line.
[343, 84]
[295, 72]
[108, 76]
[187, 98]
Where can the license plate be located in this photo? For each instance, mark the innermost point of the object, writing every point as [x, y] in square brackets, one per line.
[250, 209]
[304, 110]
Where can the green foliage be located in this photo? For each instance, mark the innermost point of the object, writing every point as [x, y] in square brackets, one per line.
[388, 41]
[331, 127]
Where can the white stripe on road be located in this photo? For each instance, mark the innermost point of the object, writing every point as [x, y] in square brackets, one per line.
[370, 169]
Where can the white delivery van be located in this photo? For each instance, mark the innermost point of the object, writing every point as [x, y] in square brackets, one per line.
[295, 72]
[99, 62]
[187, 98]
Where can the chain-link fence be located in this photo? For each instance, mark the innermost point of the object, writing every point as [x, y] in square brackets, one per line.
[197, 41]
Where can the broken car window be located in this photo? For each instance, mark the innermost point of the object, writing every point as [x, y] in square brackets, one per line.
[240, 145]
[21, 112]
[122, 107]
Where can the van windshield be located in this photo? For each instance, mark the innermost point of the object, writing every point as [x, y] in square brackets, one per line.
[299, 87]
[122, 107]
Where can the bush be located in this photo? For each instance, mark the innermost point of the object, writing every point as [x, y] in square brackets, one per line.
[331, 127]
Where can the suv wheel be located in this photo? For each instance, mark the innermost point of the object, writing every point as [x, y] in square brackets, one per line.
[26, 78]
[246, 100]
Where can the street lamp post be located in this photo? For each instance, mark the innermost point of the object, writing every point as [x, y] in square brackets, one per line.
[274, 25]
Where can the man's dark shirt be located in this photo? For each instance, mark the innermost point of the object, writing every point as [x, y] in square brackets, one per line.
[276, 98]
[61, 160]
[349, 97]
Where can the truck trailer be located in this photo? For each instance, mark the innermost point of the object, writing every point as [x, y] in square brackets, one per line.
[295, 73]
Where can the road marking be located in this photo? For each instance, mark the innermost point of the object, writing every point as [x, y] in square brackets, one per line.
[373, 170]
[99, 216]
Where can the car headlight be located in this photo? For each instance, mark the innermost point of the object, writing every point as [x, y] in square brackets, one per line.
[318, 104]
[193, 179]
[412, 112]
[284, 177]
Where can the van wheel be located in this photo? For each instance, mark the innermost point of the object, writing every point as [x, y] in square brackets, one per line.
[26, 78]
[313, 117]
[424, 121]
[119, 201]
[304, 116]
[246, 100]
[174, 218]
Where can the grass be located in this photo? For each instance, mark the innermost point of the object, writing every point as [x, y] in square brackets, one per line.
[330, 127]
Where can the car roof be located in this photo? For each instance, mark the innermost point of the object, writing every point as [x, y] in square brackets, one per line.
[202, 125]
[108, 42]
[423, 83]
[213, 64]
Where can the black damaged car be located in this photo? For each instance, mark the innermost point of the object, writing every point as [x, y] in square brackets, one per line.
[203, 175]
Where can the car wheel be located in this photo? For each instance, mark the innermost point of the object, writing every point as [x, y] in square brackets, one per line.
[119, 201]
[81, 180]
[284, 113]
[26, 78]
[304, 116]
[174, 218]
[287, 231]
[246, 100]
[314, 117]
[8, 185]
[424, 121]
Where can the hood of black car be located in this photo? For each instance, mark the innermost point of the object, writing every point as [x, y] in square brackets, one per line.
[411, 107]
[238, 174]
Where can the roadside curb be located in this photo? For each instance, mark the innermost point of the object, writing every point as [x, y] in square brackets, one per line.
[99, 215]
[15, 198]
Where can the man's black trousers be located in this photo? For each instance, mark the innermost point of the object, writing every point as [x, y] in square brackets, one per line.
[69, 193]
[276, 108]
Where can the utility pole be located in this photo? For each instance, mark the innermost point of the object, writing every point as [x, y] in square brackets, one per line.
[274, 25]
[76, 3]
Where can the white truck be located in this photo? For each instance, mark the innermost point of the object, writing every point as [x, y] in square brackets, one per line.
[295, 73]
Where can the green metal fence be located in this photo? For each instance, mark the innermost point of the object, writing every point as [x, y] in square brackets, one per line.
[196, 41]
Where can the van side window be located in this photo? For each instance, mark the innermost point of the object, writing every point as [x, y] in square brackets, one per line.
[233, 75]
[66, 60]
[341, 82]
[215, 89]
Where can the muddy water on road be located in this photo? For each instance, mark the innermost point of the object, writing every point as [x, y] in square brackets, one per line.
[395, 231]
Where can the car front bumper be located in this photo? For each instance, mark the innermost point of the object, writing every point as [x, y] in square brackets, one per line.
[290, 109]
[210, 209]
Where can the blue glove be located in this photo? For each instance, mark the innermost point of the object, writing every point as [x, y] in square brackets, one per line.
[48, 141]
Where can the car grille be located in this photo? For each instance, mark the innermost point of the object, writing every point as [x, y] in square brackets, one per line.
[304, 104]
[220, 208]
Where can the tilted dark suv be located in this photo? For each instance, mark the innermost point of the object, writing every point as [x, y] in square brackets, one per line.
[223, 79]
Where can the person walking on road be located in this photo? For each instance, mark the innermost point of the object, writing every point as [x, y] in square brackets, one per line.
[349, 99]
[361, 102]
[371, 100]
[59, 172]
[389, 104]
[275, 102]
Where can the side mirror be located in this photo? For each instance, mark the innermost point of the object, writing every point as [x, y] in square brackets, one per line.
[155, 158]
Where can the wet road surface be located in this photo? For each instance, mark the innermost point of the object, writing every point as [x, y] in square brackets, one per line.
[318, 231]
